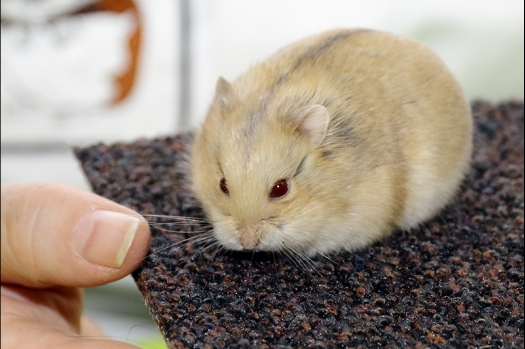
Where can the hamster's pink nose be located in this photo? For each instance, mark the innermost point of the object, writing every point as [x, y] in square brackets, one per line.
[248, 241]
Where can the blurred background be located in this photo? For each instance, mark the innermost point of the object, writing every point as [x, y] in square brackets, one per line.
[76, 72]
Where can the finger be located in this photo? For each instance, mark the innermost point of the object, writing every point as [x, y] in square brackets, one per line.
[91, 329]
[53, 234]
[30, 319]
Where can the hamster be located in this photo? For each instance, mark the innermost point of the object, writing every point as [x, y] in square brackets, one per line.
[330, 144]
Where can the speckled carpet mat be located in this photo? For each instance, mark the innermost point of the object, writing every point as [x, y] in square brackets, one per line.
[456, 282]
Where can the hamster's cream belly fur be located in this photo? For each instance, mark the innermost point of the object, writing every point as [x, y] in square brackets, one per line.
[331, 143]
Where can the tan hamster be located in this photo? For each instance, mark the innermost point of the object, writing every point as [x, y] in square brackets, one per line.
[330, 144]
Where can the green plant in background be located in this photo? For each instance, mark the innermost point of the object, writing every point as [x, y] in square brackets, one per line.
[153, 342]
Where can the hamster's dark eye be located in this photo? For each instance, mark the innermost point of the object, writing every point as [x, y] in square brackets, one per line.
[280, 189]
[224, 187]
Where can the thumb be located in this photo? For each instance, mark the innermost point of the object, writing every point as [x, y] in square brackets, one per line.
[57, 235]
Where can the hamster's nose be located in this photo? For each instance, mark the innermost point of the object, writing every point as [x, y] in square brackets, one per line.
[249, 242]
[248, 239]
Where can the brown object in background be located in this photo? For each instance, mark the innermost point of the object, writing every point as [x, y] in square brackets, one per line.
[125, 81]
[455, 282]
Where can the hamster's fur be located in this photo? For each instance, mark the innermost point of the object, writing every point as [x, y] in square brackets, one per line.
[370, 131]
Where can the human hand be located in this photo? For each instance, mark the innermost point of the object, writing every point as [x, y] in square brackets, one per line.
[57, 239]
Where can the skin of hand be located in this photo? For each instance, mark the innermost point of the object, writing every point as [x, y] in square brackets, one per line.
[56, 240]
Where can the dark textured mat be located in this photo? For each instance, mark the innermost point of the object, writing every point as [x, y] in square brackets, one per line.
[456, 282]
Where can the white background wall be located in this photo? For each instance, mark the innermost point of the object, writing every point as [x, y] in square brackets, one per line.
[480, 40]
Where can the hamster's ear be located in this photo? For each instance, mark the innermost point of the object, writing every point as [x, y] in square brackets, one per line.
[224, 93]
[313, 123]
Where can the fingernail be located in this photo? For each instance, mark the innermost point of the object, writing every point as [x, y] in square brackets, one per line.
[104, 237]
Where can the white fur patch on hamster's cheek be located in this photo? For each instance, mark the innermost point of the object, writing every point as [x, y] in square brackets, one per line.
[278, 240]
[226, 238]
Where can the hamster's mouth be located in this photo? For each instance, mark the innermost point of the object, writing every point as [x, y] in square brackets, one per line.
[268, 235]
[237, 246]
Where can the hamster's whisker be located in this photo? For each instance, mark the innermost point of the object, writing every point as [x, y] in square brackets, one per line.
[180, 231]
[296, 256]
[202, 234]
[209, 242]
[155, 252]
[184, 224]
[204, 229]
[308, 262]
[175, 218]
[274, 263]
[183, 221]
[178, 224]
[164, 248]
[289, 256]
[194, 240]
[181, 244]
[328, 258]
[218, 250]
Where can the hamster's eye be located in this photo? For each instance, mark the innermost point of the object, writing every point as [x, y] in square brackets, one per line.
[280, 189]
[224, 187]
